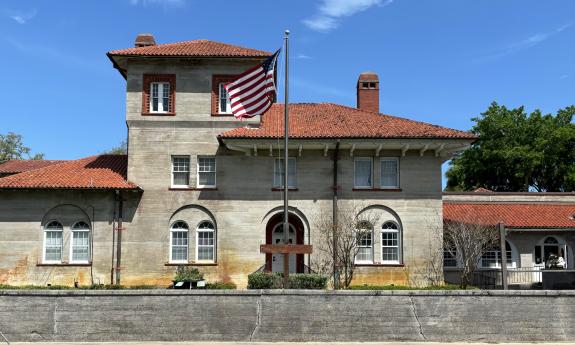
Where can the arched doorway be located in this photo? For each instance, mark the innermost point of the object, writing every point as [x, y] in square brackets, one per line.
[274, 235]
[551, 245]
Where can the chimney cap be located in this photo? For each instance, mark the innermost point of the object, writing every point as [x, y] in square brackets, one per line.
[368, 75]
[144, 40]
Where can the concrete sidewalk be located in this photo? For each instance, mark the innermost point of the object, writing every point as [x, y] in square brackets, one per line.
[282, 343]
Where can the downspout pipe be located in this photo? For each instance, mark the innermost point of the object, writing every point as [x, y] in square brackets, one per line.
[334, 215]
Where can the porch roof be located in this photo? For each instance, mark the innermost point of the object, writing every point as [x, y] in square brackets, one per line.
[514, 215]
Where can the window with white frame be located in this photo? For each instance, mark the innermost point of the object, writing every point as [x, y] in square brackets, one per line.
[492, 258]
[449, 257]
[179, 242]
[224, 106]
[363, 172]
[390, 243]
[53, 242]
[389, 172]
[206, 172]
[279, 167]
[364, 233]
[205, 248]
[160, 97]
[180, 171]
[80, 248]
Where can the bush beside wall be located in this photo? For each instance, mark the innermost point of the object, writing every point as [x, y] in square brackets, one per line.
[264, 280]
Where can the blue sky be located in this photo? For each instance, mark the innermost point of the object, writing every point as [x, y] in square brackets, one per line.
[441, 62]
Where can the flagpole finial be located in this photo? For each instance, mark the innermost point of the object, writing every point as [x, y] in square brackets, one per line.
[286, 32]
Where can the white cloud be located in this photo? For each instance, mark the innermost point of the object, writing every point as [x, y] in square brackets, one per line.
[303, 57]
[526, 43]
[331, 11]
[20, 17]
[165, 3]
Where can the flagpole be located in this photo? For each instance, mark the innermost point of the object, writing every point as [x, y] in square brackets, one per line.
[286, 172]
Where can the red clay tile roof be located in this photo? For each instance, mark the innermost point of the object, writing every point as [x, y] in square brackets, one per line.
[196, 48]
[327, 120]
[482, 190]
[97, 172]
[20, 165]
[527, 216]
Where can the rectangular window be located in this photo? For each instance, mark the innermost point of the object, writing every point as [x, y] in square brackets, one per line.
[449, 259]
[224, 100]
[389, 172]
[80, 246]
[206, 172]
[53, 243]
[279, 167]
[205, 246]
[179, 246]
[160, 98]
[390, 247]
[365, 249]
[363, 172]
[180, 171]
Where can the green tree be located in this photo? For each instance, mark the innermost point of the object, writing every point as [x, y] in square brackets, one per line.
[517, 152]
[12, 147]
[121, 149]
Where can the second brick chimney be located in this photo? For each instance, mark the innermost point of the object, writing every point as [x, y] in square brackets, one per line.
[368, 92]
[144, 40]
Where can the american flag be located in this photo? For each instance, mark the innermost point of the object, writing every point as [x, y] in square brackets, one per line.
[253, 91]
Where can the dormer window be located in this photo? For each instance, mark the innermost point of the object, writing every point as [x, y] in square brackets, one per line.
[158, 97]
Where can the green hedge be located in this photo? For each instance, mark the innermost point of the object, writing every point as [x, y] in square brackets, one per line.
[402, 287]
[263, 280]
[221, 286]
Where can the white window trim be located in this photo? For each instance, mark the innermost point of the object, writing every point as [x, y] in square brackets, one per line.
[364, 262]
[72, 230]
[292, 159]
[172, 230]
[354, 172]
[396, 159]
[198, 230]
[44, 243]
[399, 244]
[172, 171]
[198, 185]
[228, 103]
[498, 261]
[160, 96]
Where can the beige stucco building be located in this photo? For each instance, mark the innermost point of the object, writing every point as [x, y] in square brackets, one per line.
[200, 188]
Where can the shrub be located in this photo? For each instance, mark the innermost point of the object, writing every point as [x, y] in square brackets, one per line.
[264, 280]
[188, 274]
[221, 286]
[403, 287]
[307, 281]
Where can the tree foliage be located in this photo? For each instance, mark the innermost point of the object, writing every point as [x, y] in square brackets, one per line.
[518, 152]
[12, 147]
[121, 149]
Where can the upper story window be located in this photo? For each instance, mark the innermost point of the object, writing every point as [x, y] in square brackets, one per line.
[53, 242]
[279, 167]
[389, 172]
[80, 248]
[180, 171]
[159, 93]
[224, 105]
[206, 172]
[363, 172]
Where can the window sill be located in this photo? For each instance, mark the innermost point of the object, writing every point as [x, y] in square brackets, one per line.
[192, 189]
[290, 189]
[222, 114]
[396, 190]
[158, 114]
[379, 265]
[191, 264]
[64, 264]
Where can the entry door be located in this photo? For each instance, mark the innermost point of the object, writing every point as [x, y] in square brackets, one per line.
[278, 259]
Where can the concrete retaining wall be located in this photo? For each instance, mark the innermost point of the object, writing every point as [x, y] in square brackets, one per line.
[170, 315]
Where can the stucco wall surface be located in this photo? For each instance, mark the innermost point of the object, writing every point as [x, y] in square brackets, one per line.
[168, 315]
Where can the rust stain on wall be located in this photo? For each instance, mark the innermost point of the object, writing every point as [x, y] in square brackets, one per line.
[16, 273]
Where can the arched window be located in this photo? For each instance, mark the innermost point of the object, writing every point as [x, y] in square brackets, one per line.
[390, 243]
[548, 248]
[205, 247]
[179, 242]
[80, 248]
[492, 258]
[53, 242]
[364, 233]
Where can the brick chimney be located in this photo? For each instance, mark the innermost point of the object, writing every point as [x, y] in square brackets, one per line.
[368, 92]
[144, 40]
